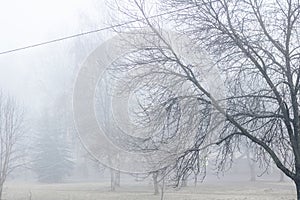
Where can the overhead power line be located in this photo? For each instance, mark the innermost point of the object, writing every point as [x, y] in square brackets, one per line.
[90, 32]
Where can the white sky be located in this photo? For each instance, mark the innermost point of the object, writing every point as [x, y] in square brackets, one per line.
[33, 21]
[25, 22]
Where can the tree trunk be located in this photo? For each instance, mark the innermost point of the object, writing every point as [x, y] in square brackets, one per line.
[118, 178]
[251, 164]
[252, 172]
[155, 183]
[282, 175]
[297, 183]
[281, 179]
[184, 183]
[112, 180]
[1, 190]
[195, 180]
[162, 196]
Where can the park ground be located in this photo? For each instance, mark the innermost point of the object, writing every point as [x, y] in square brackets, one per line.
[231, 190]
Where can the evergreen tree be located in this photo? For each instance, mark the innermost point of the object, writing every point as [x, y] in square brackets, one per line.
[53, 158]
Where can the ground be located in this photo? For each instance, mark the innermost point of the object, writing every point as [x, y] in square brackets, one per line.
[261, 190]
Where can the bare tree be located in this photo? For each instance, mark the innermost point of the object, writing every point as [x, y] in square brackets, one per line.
[11, 132]
[251, 165]
[255, 45]
[155, 182]
[159, 178]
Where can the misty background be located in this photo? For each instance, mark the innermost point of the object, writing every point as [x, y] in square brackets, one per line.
[42, 80]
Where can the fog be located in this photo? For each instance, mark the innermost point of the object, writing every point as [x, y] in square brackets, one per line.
[96, 118]
[31, 22]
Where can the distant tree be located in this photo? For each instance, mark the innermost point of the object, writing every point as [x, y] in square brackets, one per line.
[52, 160]
[251, 164]
[155, 182]
[11, 134]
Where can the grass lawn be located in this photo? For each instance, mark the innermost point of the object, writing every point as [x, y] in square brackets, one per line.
[260, 190]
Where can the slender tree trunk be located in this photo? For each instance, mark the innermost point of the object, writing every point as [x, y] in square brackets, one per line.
[195, 180]
[112, 180]
[118, 178]
[162, 196]
[282, 175]
[251, 166]
[118, 173]
[155, 183]
[184, 182]
[281, 179]
[252, 172]
[297, 183]
[1, 190]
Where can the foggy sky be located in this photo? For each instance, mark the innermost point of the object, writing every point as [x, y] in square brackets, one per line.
[34, 75]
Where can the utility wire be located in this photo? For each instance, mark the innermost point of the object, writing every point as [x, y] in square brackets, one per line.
[90, 32]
